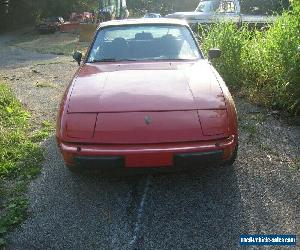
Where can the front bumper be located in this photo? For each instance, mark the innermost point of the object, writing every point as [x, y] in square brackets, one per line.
[179, 160]
[148, 155]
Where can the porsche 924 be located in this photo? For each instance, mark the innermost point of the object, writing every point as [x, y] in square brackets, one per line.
[145, 96]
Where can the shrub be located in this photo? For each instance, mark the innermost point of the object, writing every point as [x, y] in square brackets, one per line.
[265, 66]
[231, 41]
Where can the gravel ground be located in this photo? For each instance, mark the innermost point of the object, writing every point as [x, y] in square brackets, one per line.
[41, 84]
[12, 57]
[201, 209]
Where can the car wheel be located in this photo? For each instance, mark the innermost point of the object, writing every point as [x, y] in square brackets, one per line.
[231, 161]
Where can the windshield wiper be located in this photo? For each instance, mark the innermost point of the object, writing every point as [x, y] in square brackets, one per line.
[112, 60]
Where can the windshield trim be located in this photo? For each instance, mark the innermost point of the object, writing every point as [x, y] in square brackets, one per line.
[145, 61]
[201, 55]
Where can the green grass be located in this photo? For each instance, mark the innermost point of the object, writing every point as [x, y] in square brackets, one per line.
[262, 66]
[43, 133]
[20, 160]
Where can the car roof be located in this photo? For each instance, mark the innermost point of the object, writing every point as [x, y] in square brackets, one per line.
[142, 21]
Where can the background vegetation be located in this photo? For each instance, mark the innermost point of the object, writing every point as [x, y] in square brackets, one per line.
[264, 66]
[14, 13]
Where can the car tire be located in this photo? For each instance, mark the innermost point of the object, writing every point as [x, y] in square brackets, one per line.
[231, 161]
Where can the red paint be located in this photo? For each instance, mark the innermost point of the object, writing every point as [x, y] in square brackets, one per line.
[149, 160]
[146, 112]
[163, 127]
[69, 27]
[151, 86]
[81, 126]
[214, 122]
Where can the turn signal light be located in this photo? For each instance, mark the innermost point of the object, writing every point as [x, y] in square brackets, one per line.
[213, 122]
[81, 126]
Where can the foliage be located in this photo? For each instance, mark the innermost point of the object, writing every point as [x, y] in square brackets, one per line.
[19, 160]
[167, 6]
[43, 133]
[161, 6]
[265, 66]
[20, 12]
[263, 7]
[231, 40]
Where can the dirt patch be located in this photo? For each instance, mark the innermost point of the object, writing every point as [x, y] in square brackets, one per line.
[58, 43]
[38, 79]
[40, 86]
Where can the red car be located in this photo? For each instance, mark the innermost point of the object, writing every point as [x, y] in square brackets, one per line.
[145, 96]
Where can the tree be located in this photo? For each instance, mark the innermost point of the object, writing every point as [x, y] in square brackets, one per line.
[3, 13]
[161, 6]
[264, 7]
[21, 12]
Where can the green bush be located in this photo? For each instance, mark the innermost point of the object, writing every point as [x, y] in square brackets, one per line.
[264, 66]
[232, 41]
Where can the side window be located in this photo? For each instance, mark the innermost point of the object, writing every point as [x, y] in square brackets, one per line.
[226, 7]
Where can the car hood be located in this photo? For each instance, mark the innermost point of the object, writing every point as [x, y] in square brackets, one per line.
[147, 86]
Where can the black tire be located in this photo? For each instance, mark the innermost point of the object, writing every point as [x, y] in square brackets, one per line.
[231, 161]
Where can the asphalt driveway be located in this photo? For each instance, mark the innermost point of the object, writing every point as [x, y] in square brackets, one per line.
[205, 208]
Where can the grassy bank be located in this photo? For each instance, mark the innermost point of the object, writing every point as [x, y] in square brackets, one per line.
[263, 66]
[20, 160]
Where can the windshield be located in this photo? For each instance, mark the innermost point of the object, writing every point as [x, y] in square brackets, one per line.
[208, 6]
[144, 42]
[225, 6]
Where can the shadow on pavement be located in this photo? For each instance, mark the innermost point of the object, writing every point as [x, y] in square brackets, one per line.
[199, 209]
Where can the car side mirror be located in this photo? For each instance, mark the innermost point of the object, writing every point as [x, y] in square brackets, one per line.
[77, 56]
[214, 53]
